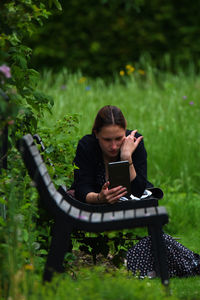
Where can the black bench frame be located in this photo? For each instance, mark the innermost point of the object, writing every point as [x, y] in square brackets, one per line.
[70, 214]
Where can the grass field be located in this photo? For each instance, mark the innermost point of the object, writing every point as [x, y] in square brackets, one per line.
[165, 109]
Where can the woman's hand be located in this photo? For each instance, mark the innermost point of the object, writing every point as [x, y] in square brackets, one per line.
[111, 195]
[129, 145]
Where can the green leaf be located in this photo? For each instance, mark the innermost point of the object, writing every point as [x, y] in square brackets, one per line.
[20, 60]
[49, 149]
[41, 97]
[57, 4]
[2, 200]
[14, 39]
[33, 76]
[18, 75]
[25, 235]
[25, 206]
[2, 222]
[44, 252]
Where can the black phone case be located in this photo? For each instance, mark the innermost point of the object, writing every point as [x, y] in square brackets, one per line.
[119, 175]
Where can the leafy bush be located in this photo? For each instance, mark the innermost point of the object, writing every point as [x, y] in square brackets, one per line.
[21, 105]
[60, 144]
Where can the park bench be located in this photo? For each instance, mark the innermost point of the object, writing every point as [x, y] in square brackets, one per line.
[98, 244]
[70, 214]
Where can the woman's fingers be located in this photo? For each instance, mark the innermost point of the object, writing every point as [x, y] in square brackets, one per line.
[138, 140]
[132, 134]
[106, 185]
[135, 140]
[114, 194]
[116, 198]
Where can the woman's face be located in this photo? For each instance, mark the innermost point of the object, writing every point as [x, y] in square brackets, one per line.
[110, 140]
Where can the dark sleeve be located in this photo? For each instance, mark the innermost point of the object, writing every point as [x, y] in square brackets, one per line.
[139, 158]
[84, 175]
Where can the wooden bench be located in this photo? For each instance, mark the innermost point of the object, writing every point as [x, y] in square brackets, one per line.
[91, 244]
[70, 214]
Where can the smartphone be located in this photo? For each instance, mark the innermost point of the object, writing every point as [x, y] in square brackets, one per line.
[119, 175]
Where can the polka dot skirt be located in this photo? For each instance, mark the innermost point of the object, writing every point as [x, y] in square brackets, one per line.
[181, 261]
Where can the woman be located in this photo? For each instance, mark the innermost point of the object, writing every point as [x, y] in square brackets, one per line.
[110, 141]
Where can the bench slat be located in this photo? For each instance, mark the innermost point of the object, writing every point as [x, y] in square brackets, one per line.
[47, 179]
[58, 198]
[38, 160]
[107, 217]
[139, 212]
[42, 169]
[162, 210]
[129, 214]
[74, 212]
[28, 138]
[34, 150]
[151, 211]
[85, 215]
[65, 206]
[96, 217]
[118, 215]
[51, 188]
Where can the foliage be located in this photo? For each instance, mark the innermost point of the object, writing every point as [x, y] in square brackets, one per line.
[18, 81]
[21, 105]
[60, 144]
[162, 30]
[24, 223]
[18, 232]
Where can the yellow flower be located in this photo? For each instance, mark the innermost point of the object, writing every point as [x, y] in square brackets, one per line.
[130, 69]
[82, 80]
[121, 73]
[141, 72]
[29, 267]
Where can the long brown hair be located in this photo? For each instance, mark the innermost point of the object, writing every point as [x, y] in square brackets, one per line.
[108, 115]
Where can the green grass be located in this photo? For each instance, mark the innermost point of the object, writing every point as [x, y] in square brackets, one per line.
[99, 283]
[163, 107]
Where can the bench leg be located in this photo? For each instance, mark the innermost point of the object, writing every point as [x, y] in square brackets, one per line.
[159, 251]
[60, 243]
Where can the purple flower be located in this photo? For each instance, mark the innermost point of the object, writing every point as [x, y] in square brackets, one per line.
[184, 97]
[87, 88]
[191, 103]
[63, 87]
[5, 70]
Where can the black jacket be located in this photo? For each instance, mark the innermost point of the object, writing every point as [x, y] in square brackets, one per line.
[90, 174]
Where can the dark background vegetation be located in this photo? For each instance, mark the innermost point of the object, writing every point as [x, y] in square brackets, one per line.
[102, 36]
